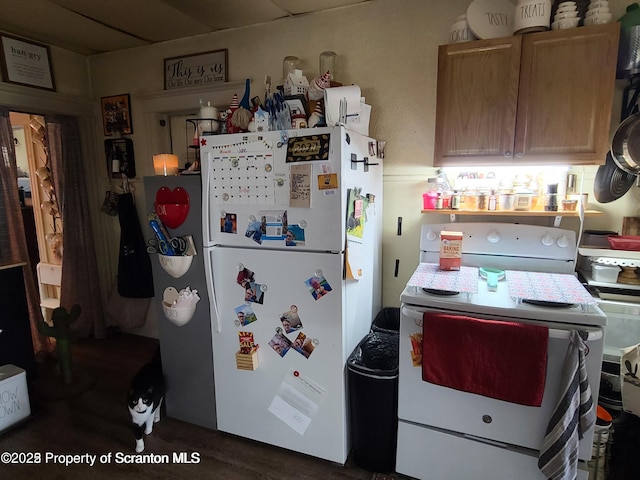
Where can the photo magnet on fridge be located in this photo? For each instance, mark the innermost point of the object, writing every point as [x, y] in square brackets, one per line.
[244, 315]
[280, 344]
[253, 293]
[318, 286]
[294, 236]
[303, 345]
[229, 223]
[255, 231]
[291, 320]
[245, 276]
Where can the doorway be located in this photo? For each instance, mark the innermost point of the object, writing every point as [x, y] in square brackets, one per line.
[38, 199]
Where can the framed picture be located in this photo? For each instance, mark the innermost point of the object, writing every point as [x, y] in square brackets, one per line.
[26, 63]
[116, 114]
[196, 70]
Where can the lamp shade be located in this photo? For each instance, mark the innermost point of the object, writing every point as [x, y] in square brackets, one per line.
[165, 164]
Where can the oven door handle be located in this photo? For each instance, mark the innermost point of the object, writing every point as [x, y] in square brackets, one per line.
[564, 334]
[596, 334]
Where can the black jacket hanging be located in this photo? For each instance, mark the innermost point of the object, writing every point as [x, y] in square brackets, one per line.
[135, 279]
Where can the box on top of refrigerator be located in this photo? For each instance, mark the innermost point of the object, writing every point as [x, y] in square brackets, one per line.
[14, 397]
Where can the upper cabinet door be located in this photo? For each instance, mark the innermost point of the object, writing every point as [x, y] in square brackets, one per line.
[541, 98]
[477, 100]
[567, 80]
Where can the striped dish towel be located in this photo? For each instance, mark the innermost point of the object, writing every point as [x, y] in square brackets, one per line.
[574, 414]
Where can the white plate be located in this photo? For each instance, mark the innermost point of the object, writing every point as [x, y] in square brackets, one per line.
[491, 18]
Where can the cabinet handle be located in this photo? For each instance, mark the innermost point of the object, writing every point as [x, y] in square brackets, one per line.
[520, 154]
[508, 154]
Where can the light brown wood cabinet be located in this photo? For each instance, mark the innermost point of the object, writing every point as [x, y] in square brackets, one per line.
[541, 98]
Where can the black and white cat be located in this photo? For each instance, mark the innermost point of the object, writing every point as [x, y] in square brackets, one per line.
[145, 398]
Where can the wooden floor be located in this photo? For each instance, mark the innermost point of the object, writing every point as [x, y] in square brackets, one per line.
[94, 420]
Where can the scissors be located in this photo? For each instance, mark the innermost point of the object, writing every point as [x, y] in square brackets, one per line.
[160, 246]
[179, 245]
[175, 246]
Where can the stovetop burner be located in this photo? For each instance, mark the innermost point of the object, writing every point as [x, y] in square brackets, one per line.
[544, 303]
[442, 293]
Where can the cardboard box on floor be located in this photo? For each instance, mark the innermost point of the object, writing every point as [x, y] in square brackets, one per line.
[14, 396]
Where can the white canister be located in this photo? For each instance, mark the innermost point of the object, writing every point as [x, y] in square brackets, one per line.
[532, 16]
[460, 31]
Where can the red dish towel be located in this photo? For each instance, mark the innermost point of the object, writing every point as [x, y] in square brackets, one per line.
[503, 360]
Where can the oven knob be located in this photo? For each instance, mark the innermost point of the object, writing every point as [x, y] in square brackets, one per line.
[431, 235]
[563, 242]
[547, 240]
[493, 236]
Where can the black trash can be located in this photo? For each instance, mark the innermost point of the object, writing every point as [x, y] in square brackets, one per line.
[387, 321]
[372, 373]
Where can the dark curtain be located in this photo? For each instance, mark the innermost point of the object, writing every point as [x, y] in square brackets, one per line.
[80, 281]
[13, 242]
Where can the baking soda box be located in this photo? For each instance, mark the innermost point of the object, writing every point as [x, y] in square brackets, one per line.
[14, 397]
[450, 250]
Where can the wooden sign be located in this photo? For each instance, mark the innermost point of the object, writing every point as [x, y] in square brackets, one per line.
[196, 70]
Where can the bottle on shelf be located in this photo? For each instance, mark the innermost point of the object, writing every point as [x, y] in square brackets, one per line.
[492, 201]
[455, 200]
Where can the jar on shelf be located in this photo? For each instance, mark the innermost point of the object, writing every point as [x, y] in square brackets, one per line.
[429, 197]
[483, 199]
[505, 200]
[470, 201]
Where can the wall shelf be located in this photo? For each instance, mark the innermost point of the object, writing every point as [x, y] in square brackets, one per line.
[515, 213]
[609, 253]
[594, 283]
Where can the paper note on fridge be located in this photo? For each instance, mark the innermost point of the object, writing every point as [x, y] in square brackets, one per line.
[297, 401]
[345, 105]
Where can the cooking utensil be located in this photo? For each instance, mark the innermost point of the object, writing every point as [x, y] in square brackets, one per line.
[493, 276]
[625, 146]
[611, 181]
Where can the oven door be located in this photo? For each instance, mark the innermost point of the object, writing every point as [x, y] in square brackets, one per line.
[474, 415]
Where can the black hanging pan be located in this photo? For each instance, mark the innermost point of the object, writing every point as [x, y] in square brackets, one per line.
[611, 182]
[625, 146]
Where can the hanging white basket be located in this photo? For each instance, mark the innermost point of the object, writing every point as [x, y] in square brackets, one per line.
[175, 265]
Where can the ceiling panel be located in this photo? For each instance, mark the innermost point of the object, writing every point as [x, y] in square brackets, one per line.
[97, 26]
[221, 14]
[149, 20]
[305, 6]
[46, 22]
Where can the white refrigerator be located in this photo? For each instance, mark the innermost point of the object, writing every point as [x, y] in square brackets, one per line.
[292, 224]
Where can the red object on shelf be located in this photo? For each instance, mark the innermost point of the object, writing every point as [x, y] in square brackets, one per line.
[625, 242]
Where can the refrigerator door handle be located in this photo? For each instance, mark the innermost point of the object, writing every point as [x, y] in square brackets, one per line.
[205, 166]
[213, 303]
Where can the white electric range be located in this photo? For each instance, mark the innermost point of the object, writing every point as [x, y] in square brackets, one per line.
[445, 433]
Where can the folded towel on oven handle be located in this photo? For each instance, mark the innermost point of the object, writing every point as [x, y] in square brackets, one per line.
[497, 359]
[573, 415]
